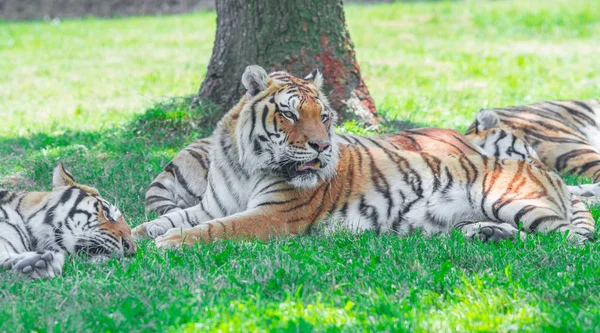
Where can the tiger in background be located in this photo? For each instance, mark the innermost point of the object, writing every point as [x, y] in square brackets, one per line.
[564, 134]
[502, 142]
[37, 229]
[276, 168]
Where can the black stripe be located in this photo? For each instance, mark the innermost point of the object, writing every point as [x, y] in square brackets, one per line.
[587, 166]
[151, 199]
[159, 185]
[563, 160]
[22, 237]
[536, 223]
[170, 221]
[9, 243]
[577, 115]
[198, 158]
[264, 120]
[181, 180]
[316, 191]
[269, 186]
[276, 202]
[218, 201]
[205, 211]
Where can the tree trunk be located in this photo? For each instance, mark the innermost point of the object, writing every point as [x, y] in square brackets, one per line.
[292, 35]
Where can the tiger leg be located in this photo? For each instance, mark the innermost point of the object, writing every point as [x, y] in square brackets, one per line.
[582, 218]
[580, 159]
[545, 220]
[183, 181]
[38, 265]
[13, 240]
[254, 223]
[488, 231]
[185, 218]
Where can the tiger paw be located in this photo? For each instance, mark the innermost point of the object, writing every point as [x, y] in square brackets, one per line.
[489, 231]
[38, 265]
[139, 232]
[149, 230]
[176, 238]
[579, 236]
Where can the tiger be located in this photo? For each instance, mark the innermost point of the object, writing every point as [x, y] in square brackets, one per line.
[277, 168]
[497, 141]
[37, 229]
[507, 142]
[564, 134]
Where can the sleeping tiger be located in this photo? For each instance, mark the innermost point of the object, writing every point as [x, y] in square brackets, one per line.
[37, 229]
[564, 134]
[276, 168]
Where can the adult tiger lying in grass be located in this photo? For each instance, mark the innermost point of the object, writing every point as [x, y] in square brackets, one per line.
[37, 229]
[276, 168]
[564, 134]
[184, 181]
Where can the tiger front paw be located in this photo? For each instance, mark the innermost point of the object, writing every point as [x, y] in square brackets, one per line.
[139, 232]
[489, 231]
[579, 236]
[176, 238]
[38, 265]
[149, 230]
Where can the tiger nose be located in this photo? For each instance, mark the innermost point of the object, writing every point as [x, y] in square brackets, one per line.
[319, 146]
[128, 246]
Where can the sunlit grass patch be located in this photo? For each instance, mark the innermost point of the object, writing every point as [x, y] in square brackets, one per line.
[290, 315]
[477, 309]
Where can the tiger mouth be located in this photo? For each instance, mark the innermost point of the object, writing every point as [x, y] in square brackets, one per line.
[309, 166]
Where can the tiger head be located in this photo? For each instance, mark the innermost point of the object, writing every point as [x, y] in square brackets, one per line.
[498, 141]
[83, 221]
[285, 127]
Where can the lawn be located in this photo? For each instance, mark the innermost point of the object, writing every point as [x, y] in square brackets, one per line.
[97, 95]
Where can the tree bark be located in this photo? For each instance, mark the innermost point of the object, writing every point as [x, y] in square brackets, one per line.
[296, 36]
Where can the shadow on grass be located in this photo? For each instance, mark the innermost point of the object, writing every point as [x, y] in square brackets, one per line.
[120, 161]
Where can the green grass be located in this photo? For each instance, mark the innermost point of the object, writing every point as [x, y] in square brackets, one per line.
[85, 92]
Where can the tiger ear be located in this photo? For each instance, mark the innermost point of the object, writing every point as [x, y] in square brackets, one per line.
[487, 119]
[62, 177]
[316, 78]
[255, 80]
